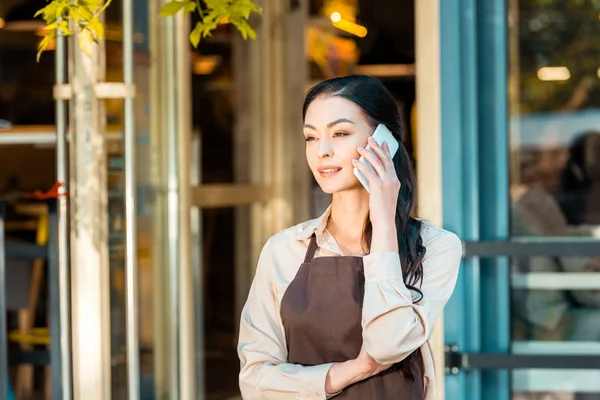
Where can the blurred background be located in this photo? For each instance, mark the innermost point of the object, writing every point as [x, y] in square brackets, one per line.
[501, 107]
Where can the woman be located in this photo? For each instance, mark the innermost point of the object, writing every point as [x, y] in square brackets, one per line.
[355, 321]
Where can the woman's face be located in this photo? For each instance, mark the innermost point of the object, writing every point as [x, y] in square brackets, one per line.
[333, 128]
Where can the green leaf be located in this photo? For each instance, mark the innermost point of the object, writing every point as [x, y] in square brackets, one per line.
[244, 28]
[190, 6]
[251, 33]
[196, 34]
[213, 17]
[245, 8]
[219, 6]
[171, 8]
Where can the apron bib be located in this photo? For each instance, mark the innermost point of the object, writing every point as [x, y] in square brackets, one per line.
[321, 312]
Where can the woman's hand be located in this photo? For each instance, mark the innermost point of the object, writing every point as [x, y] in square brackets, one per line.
[369, 366]
[342, 375]
[384, 188]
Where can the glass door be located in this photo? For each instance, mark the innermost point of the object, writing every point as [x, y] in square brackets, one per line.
[247, 180]
[523, 195]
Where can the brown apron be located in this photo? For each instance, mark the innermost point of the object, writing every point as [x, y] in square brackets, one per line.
[321, 312]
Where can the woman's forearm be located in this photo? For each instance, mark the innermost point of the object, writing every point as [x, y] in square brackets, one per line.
[385, 238]
[341, 375]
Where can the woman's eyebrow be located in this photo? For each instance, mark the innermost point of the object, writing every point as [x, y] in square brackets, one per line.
[339, 121]
[332, 123]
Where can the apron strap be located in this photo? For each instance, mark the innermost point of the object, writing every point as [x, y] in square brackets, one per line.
[312, 249]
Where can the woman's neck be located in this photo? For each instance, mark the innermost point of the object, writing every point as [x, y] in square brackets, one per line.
[349, 212]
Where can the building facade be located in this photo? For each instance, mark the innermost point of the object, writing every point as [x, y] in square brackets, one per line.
[179, 163]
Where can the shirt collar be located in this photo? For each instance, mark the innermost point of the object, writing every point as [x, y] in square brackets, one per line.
[318, 227]
[315, 226]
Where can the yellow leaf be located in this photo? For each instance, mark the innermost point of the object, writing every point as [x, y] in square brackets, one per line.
[85, 13]
[97, 27]
[91, 5]
[44, 44]
[64, 27]
[50, 9]
[52, 26]
[74, 14]
[49, 12]
[60, 9]
[85, 42]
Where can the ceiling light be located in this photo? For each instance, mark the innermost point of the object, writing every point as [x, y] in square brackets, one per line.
[336, 17]
[554, 74]
[351, 27]
[205, 65]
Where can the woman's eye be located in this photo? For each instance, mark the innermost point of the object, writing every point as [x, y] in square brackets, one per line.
[340, 134]
[309, 138]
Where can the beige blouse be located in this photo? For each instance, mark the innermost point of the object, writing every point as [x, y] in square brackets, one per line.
[393, 326]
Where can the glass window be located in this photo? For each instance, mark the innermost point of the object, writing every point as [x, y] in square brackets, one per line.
[554, 102]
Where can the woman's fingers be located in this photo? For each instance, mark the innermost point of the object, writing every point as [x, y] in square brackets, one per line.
[365, 170]
[383, 153]
[373, 159]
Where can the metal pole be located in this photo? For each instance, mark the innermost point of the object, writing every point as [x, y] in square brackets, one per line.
[3, 339]
[170, 59]
[54, 296]
[196, 242]
[133, 373]
[62, 216]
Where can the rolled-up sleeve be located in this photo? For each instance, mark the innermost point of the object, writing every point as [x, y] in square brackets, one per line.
[394, 326]
[265, 372]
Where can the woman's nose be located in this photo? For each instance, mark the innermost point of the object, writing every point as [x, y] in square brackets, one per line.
[325, 150]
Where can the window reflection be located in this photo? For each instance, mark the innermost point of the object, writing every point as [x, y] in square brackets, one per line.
[554, 102]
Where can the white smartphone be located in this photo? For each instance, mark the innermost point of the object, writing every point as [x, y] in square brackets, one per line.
[381, 134]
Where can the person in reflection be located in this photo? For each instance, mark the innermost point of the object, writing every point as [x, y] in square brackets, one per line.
[542, 206]
[344, 305]
[579, 194]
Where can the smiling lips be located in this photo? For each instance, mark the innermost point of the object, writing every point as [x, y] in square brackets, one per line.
[328, 171]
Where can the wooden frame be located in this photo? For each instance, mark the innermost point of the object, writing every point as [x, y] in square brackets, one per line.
[429, 141]
[228, 195]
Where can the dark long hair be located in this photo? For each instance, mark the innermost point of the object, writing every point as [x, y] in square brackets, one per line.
[577, 178]
[379, 106]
